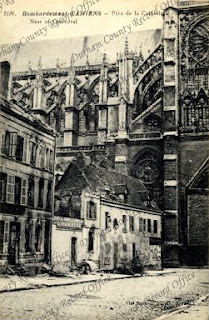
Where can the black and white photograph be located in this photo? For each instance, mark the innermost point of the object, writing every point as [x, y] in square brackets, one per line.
[104, 127]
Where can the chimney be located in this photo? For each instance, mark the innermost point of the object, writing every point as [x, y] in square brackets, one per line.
[4, 78]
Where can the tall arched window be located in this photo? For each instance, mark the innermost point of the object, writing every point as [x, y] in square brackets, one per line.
[91, 239]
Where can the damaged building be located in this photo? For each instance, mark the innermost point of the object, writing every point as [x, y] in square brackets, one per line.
[104, 217]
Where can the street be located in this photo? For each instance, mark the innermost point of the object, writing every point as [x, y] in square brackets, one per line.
[142, 298]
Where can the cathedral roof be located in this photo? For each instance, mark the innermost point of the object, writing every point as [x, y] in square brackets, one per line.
[62, 49]
[107, 182]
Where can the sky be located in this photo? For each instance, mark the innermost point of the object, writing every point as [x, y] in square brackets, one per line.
[114, 15]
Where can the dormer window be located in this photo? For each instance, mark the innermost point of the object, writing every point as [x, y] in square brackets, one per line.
[91, 210]
[121, 192]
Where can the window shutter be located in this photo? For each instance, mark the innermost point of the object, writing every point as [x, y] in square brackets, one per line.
[2, 190]
[25, 150]
[3, 149]
[13, 144]
[51, 161]
[10, 196]
[6, 236]
[88, 209]
[47, 158]
[42, 157]
[95, 211]
[24, 192]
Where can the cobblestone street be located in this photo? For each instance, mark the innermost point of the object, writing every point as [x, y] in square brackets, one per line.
[112, 300]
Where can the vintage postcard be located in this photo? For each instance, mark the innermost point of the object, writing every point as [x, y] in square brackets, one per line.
[104, 125]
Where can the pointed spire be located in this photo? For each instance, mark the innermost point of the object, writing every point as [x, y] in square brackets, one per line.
[72, 70]
[87, 61]
[57, 64]
[104, 59]
[29, 67]
[40, 63]
[71, 61]
[117, 59]
[141, 58]
[126, 46]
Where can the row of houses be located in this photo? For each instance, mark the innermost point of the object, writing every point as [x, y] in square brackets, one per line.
[95, 214]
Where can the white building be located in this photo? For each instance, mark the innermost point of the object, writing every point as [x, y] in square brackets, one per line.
[104, 217]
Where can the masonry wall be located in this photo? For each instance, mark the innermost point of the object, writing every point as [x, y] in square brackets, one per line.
[192, 153]
[117, 244]
[198, 225]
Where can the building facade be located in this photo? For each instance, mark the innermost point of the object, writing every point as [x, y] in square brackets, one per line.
[105, 218]
[144, 113]
[26, 186]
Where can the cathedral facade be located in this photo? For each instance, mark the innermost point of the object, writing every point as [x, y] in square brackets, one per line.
[144, 115]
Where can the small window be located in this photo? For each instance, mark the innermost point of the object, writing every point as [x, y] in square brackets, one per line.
[131, 223]
[19, 148]
[91, 210]
[41, 193]
[124, 224]
[124, 247]
[115, 224]
[17, 190]
[49, 196]
[155, 226]
[106, 219]
[144, 224]
[140, 224]
[149, 228]
[33, 148]
[31, 190]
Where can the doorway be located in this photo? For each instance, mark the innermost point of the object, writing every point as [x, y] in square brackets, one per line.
[14, 242]
[115, 256]
[47, 241]
[73, 253]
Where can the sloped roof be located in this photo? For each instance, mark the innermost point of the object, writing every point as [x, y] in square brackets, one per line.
[79, 176]
[62, 49]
